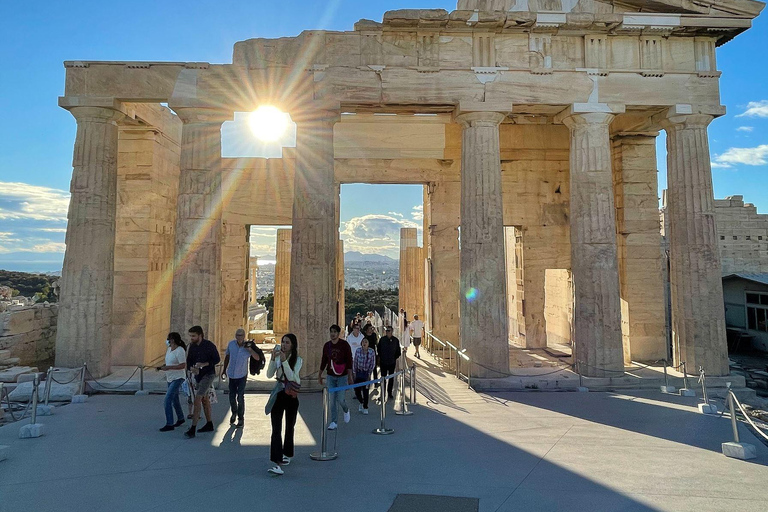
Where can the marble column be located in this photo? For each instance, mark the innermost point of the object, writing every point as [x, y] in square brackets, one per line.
[314, 237]
[594, 257]
[253, 280]
[698, 317]
[87, 279]
[407, 286]
[196, 293]
[483, 290]
[280, 313]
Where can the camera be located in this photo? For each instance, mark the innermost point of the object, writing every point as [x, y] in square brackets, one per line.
[250, 344]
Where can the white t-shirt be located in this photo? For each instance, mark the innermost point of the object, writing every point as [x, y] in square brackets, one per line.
[416, 328]
[355, 341]
[173, 358]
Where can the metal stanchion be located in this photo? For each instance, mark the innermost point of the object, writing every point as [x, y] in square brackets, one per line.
[686, 391]
[732, 408]
[581, 377]
[35, 384]
[81, 389]
[666, 388]
[736, 449]
[413, 384]
[706, 407]
[324, 454]
[383, 430]
[48, 384]
[403, 405]
[141, 378]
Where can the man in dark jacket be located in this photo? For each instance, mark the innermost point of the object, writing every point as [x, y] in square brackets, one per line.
[202, 358]
[389, 353]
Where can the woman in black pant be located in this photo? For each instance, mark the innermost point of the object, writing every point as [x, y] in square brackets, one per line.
[285, 367]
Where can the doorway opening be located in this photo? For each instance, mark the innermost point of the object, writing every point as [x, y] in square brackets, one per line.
[268, 280]
[381, 228]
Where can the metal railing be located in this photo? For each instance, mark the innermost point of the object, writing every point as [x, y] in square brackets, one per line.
[453, 357]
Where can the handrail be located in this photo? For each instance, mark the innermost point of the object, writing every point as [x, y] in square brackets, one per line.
[732, 395]
[454, 361]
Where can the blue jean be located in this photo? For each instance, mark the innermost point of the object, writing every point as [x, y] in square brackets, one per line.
[237, 396]
[339, 397]
[172, 402]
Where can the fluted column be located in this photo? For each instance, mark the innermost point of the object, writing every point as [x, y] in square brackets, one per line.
[197, 260]
[314, 237]
[280, 313]
[85, 311]
[483, 289]
[594, 256]
[698, 317]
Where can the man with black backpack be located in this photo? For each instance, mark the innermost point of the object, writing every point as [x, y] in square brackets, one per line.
[236, 363]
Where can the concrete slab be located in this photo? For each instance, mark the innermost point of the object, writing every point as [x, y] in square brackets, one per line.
[741, 451]
[511, 451]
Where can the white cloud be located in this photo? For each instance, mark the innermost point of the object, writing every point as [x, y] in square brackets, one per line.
[24, 201]
[745, 128]
[418, 212]
[395, 214]
[716, 165]
[48, 247]
[745, 156]
[53, 230]
[756, 109]
[375, 234]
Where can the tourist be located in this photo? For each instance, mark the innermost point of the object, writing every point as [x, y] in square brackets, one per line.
[285, 367]
[337, 363]
[364, 364]
[406, 334]
[202, 358]
[417, 332]
[355, 338]
[389, 353]
[373, 342]
[239, 354]
[175, 364]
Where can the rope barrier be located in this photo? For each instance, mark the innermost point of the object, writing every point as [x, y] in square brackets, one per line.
[746, 416]
[367, 383]
[110, 386]
[4, 391]
[76, 376]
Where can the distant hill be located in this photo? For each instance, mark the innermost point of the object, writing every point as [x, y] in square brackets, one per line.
[358, 257]
[29, 285]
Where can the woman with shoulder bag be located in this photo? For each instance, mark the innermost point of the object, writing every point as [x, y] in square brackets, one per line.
[285, 367]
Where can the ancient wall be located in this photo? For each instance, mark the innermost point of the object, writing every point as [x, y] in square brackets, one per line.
[29, 333]
[558, 305]
[742, 236]
[536, 186]
[147, 186]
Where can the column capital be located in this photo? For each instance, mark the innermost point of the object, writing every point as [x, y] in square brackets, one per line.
[689, 116]
[582, 114]
[471, 119]
[96, 114]
[202, 114]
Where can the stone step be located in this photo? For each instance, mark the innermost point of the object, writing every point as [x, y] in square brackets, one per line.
[10, 361]
[11, 374]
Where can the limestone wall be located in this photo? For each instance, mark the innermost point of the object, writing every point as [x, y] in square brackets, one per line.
[558, 310]
[29, 333]
[742, 235]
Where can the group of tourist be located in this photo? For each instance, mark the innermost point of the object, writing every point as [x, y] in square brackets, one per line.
[344, 362]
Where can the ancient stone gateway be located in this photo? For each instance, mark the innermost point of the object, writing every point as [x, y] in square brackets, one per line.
[534, 115]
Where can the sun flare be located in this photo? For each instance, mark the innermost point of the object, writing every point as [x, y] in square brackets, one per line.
[268, 123]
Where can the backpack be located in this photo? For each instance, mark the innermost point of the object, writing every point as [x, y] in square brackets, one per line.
[254, 366]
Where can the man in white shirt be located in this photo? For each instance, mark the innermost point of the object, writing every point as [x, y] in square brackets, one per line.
[417, 331]
[236, 362]
[355, 339]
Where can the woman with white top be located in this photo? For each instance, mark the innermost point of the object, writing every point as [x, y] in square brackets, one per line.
[285, 367]
[174, 368]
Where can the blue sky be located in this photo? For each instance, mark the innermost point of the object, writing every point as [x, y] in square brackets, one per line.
[36, 137]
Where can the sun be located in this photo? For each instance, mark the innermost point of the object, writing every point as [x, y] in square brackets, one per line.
[268, 123]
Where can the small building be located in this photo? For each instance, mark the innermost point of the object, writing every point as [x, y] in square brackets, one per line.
[746, 308]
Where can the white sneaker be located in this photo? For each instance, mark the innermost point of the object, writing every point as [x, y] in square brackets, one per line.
[365, 411]
[360, 408]
[332, 426]
[276, 470]
[286, 460]
[346, 417]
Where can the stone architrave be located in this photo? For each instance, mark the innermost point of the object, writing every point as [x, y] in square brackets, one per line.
[197, 259]
[698, 314]
[87, 282]
[314, 237]
[483, 297]
[594, 257]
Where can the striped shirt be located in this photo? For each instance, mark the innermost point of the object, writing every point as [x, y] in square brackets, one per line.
[364, 361]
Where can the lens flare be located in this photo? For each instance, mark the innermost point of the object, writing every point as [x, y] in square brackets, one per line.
[471, 295]
[268, 123]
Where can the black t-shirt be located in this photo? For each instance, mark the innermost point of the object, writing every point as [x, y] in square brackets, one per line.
[389, 350]
[205, 352]
[373, 340]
